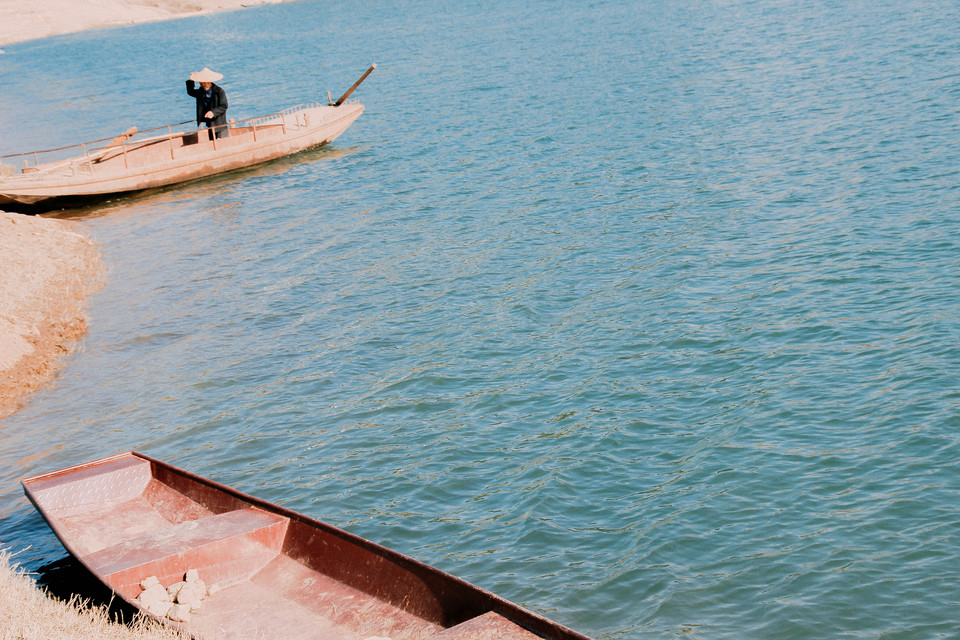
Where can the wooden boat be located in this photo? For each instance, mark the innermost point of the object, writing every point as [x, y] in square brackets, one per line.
[133, 161]
[283, 575]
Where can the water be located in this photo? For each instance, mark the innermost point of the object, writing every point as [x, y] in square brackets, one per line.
[643, 315]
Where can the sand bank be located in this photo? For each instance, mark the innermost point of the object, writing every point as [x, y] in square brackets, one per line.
[47, 270]
[22, 20]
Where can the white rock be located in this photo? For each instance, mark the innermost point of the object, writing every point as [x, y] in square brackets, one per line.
[179, 612]
[175, 588]
[160, 608]
[213, 589]
[146, 583]
[156, 600]
[190, 593]
[156, 593]
[192, 576]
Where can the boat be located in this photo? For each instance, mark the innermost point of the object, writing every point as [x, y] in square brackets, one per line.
[162, 156]
[134, 521]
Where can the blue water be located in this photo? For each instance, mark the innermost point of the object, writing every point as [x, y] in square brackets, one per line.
[643, 315]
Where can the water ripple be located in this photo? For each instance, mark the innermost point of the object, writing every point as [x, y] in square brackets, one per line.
[640, 314]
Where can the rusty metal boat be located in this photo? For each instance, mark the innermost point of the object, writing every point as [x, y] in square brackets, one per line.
[139, 160]
[130, 517]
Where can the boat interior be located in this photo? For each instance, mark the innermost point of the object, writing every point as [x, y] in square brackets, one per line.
[280, 574]
[177, 146]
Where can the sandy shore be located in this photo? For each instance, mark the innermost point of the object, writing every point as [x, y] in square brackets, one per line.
[22, 20]
[47, 270]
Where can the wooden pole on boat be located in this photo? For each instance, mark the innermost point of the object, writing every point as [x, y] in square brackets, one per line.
[355, 85]
[123, 137]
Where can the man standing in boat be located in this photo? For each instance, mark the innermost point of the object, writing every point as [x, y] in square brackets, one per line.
[211, 101]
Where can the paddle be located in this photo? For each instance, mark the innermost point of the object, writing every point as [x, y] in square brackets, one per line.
[355, 85]
[116, 142]
[123, 137]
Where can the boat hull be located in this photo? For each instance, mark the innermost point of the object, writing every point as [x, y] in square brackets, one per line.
[175, 158]
[129, 517]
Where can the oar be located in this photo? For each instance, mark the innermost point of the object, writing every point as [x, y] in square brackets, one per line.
[123, 137]
[355, 85]
[90, 158]
[112, 145]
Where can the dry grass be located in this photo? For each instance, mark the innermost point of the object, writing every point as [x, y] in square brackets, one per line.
[29, 613]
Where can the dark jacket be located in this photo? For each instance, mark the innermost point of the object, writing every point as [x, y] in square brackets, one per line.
[218, 104]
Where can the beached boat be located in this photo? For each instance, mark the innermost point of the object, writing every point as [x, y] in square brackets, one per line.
[130, 517]
[138, 160]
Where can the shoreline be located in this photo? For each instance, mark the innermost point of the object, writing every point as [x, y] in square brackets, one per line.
[24, 20]
[48, 269]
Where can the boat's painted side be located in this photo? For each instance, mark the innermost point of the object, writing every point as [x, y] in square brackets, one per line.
[170, 159]
[128, 517]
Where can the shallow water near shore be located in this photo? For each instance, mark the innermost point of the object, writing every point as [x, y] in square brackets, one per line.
[644, 317]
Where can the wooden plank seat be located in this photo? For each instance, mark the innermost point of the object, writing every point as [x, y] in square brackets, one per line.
[225, 548]
[489, 626]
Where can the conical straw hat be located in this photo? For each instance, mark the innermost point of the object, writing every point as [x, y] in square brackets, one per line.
[205, 76]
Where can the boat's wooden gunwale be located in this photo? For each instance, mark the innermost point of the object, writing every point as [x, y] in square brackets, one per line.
[224, 154]
[155, 176]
